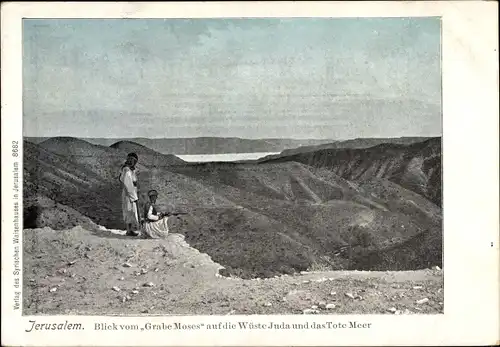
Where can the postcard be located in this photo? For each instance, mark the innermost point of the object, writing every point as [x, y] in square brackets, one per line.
[250, 174]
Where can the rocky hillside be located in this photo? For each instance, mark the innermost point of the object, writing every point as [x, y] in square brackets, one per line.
[63, 180]
[97, 155]
[346, 209]
[312, 214]
[416, 167]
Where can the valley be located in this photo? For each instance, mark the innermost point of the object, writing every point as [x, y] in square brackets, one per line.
[333, 209]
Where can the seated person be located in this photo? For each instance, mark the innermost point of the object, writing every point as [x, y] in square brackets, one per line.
[155, 224]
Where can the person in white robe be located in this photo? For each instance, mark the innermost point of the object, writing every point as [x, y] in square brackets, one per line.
[155, 223]
[128, 179]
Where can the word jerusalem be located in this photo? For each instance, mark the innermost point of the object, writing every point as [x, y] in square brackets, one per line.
[53, 326]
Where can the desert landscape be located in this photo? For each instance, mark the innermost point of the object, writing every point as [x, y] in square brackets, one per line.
[334, 227]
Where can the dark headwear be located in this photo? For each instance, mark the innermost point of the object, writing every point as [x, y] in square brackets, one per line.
[152, 192]
[133, 155]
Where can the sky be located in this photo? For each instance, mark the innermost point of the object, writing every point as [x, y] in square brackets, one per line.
[325, 78]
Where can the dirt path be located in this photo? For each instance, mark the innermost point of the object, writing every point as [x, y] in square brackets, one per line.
[77, 271]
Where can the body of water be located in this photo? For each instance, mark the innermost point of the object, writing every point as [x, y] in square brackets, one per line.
[223, 157]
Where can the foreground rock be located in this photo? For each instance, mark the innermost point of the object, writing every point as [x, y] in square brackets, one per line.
[180, 290]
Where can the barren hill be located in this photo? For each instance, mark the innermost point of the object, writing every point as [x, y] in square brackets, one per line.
[151, 157]
[64, 181]
[107, 161]
[416, 166]
[104, 161]
[71, 146]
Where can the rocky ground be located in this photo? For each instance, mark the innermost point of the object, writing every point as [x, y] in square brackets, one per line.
[78, 271]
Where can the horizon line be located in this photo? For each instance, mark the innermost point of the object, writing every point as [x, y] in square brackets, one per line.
[234, 137]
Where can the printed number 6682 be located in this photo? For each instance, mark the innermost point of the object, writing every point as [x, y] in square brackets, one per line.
[15, 148]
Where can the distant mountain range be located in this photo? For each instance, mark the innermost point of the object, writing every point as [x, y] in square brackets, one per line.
[356, 143]
[204, 145]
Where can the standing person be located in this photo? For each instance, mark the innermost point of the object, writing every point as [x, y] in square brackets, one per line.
[156, 223]
[130, 199]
